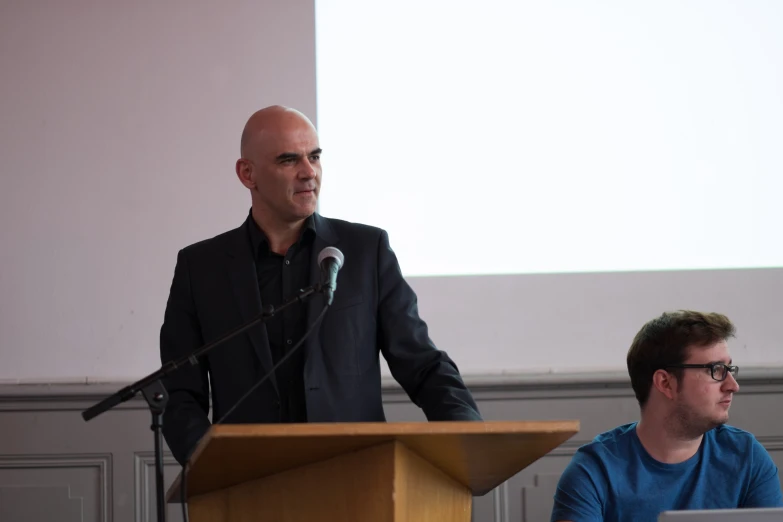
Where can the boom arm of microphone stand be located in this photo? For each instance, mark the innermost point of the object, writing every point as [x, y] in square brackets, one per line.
[157, 397]
[130, 391]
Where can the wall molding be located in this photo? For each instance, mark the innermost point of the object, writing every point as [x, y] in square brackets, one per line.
[500, 503]
[773, 443]
[600, 400]
[103, 462]
[144, 481]
[65, 396]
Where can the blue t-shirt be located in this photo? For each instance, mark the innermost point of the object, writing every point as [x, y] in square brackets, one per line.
[614, 479]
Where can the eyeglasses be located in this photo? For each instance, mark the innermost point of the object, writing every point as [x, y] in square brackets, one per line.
[719, 371]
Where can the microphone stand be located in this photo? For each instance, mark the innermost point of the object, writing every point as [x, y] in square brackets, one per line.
[157, 397]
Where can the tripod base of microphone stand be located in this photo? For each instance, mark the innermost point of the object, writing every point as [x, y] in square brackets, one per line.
[157, 398]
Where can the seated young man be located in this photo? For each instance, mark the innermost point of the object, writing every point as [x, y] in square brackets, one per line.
[681, 454]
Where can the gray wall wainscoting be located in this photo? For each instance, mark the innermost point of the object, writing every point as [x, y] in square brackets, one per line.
[56, 467]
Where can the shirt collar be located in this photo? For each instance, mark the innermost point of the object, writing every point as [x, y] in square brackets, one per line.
[259, 241]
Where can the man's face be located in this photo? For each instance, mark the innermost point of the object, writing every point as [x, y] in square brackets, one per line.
[702, 403]
[286, 168]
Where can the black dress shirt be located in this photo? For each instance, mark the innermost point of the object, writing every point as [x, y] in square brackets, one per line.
[280, 277]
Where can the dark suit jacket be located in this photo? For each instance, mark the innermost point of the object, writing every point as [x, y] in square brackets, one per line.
[215, 289]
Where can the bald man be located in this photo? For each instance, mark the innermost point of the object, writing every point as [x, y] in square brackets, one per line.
[224, 281]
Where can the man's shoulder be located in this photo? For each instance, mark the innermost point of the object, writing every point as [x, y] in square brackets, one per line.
[608, 449]
[342, 227]
[598, 464]
[617, 439]
[727, 431]
[730, 438]
[219, 242]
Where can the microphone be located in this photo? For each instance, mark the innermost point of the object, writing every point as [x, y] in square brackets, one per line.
[308, 292]
[331, 261]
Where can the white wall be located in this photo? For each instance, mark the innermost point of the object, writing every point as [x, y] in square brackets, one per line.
[119, 128]
[559, 323]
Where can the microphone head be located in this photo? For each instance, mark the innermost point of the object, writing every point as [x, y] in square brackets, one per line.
[331, 252]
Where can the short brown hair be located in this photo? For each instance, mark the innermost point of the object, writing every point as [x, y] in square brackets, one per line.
[665, 341]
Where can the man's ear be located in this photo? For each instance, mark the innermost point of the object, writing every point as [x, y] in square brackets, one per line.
[244, 172]
[665, 383]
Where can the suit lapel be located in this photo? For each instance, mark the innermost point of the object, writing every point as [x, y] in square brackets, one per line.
[244, 283]
[324, 237]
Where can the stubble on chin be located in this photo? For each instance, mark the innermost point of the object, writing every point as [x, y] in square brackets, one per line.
[687, 424]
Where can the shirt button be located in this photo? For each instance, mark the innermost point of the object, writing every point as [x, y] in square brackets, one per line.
[287, 262]
[289, 342]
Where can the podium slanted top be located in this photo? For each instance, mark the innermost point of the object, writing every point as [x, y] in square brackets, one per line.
[479, 455]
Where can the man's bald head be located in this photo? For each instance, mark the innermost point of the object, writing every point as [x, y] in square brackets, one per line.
[274, 119]
[281, 166]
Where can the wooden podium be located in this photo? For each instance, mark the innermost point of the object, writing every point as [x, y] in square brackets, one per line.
[367, 472]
